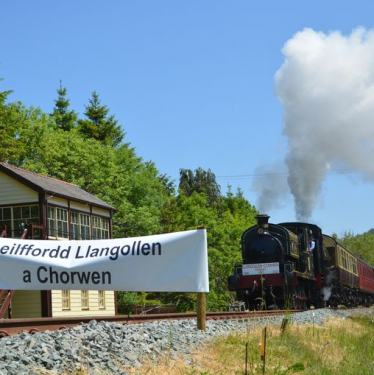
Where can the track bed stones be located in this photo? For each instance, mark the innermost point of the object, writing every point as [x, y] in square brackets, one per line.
[111, 348]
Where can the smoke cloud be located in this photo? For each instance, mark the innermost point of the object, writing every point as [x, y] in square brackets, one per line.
[271, 187]
[326, 87]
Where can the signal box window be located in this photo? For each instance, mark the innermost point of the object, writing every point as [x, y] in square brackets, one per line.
[100, 228]
[85, 227]
[16, 218]
[101, 301]
[65, 299]
[80, 226]
[57, 222]
[85, 300]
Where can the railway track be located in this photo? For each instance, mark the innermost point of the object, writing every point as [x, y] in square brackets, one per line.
[10, 327]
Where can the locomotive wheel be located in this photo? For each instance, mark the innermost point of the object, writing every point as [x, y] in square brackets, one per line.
[293, 302]
[259, 304]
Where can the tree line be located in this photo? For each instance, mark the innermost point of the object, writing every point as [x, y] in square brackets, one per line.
[91, 153]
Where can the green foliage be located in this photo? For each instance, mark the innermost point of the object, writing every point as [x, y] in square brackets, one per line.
[127, 301]
[294, 368]
[28, 138]
[21, 131]
[200, 182]
[9, 127]
[361, 245]
[4, 95]
[134, 302]
[65, 119]
[98, 125]
[93, 157]
[225, 221]
[185, 302]
[115, 175]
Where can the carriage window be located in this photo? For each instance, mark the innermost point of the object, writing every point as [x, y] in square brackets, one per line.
[349, 263]
[339, 254]
[354, 266]
[344, 256]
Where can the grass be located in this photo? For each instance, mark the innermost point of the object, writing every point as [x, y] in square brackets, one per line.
[344, 347]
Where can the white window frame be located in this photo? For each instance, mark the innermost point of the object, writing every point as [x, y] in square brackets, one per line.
[65, 299]
[58, 216]
[80, 228]
[100, 228]
[85, 300]
[75, 232]
[101, 299]
[27, 219]
[85, 226]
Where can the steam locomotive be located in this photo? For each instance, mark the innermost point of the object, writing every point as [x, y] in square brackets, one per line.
[280, 270]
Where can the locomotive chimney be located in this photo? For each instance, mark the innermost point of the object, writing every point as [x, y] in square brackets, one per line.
[262, 221]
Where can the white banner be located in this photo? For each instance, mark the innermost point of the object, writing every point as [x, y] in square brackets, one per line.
[175, 262]
[260, 269]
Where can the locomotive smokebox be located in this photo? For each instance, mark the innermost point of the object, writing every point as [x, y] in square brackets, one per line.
[263, 222]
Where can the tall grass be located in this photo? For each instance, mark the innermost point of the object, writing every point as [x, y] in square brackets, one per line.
[342, 347]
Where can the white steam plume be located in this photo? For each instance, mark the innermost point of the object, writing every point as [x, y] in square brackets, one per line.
[271, 187]
[326, 87]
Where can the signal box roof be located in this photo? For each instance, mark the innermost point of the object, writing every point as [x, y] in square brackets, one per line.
[52, 186]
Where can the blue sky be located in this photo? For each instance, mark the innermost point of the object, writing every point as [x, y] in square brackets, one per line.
[192, 83]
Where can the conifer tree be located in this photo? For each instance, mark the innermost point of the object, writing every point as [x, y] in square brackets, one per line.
[99, 125]
[200, 182]
[4, 94]
[8, 127]
[65, 119]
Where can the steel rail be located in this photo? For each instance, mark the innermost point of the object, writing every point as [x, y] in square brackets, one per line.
[10, 327]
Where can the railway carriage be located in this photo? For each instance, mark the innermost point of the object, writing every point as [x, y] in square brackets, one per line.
[366, 278]
[280, 269]
[342, 280]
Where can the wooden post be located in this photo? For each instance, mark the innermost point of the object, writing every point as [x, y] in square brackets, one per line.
[284, 324]
[201, 305]
[201, 311]
[246, 358]
[263, 349]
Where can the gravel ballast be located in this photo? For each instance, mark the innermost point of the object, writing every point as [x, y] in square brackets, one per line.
[103, 347]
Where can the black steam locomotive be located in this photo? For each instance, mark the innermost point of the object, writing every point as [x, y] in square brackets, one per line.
[281, 269]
